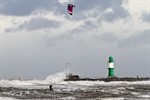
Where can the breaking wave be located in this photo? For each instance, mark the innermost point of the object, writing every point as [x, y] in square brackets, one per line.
[51, 79]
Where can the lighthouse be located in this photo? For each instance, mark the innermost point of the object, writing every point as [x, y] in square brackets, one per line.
[111, 67]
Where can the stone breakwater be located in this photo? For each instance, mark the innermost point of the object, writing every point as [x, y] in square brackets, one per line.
[130, 79]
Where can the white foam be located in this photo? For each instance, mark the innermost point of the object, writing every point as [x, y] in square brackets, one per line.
[135, 93]
[68, 98]
[144, 96]
[139, 83]
[131, 88]
[6, 98]
[121, 98]
[121, 88]
[102, 83]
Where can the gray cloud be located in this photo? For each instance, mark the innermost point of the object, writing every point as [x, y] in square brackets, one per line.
[107, 38]
[53, 41]
[36, 24]
[63, 38]
[88, 25]
[146, 17]
[101, 6]
[132, 41]
[135, 40]
[118, 12]
[24, 7]
[85, 5]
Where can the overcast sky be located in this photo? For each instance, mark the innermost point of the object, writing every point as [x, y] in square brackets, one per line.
[38, 37]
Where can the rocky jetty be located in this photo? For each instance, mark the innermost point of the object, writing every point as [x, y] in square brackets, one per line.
[108, 79]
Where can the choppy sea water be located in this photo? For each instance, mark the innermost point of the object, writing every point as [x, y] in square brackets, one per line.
[74, 90]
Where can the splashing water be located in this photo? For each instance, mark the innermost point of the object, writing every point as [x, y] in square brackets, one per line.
[56, 78]
[51, 79]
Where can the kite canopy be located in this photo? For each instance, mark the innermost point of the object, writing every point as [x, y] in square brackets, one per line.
[70, 8]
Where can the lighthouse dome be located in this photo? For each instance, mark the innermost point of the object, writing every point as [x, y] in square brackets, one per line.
[111, 59]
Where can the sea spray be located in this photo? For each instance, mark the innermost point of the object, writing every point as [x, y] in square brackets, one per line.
[51, 79]
[55, 78]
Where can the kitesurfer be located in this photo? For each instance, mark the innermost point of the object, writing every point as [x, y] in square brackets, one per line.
[50, 87]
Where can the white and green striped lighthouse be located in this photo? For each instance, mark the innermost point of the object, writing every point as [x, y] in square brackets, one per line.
[111, 67]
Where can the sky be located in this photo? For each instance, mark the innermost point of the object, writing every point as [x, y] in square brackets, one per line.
[38, 37]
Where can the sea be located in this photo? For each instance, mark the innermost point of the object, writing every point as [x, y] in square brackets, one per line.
[35, 89]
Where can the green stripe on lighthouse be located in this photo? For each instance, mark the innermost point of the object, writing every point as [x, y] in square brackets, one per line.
[111, 72]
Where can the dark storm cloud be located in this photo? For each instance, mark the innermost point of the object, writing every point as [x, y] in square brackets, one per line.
[36, 24]
[146, 17]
